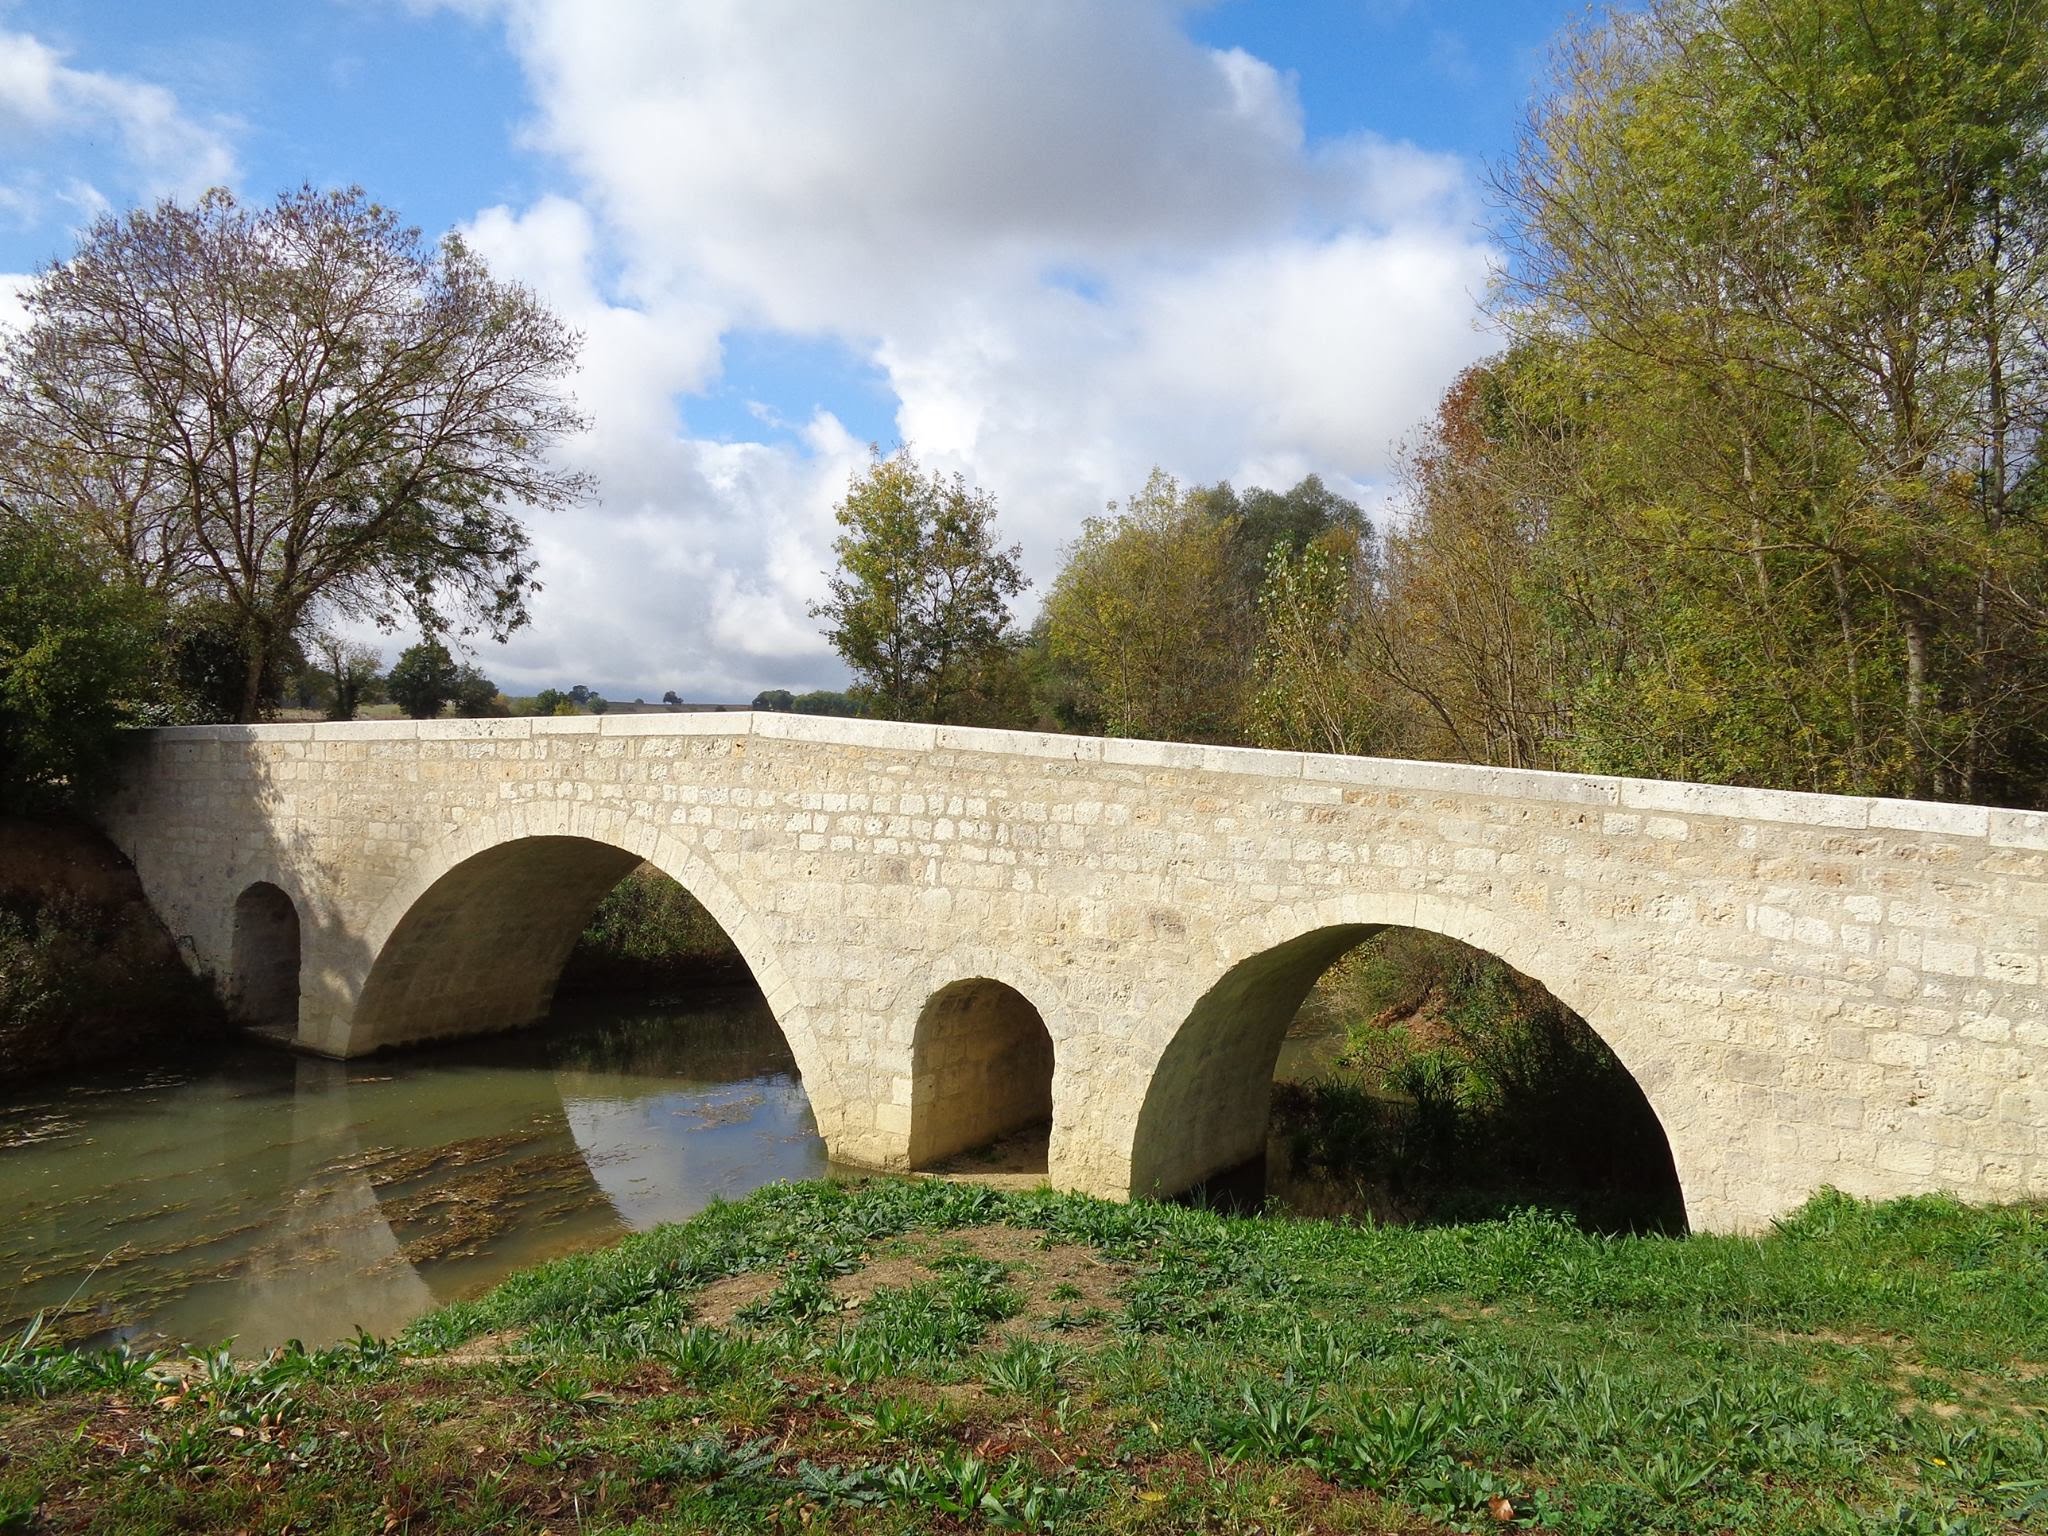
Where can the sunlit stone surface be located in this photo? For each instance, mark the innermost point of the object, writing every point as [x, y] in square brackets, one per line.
[1810, 989]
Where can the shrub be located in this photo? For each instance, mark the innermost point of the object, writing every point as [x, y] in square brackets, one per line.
[648, 932]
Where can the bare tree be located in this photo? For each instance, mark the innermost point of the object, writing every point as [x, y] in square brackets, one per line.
[291, 409]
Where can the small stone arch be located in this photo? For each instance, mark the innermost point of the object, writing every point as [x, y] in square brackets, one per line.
[981, 1067]
[1206, 1103]
[264, 956]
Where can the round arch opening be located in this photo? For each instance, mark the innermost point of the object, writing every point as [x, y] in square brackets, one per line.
[263, 981]
[1463, 1088]
[981, 1078]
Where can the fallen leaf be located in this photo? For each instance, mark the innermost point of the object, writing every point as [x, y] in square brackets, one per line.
[1500, 1508]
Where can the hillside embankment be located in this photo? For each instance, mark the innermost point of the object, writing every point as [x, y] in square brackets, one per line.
[88, 974]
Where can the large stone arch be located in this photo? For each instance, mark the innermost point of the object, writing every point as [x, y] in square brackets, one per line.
[559, 859]
[1210, 1051]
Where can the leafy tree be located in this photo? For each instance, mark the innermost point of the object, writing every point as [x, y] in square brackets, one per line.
[579, 695]
[672, 699]
[354, 670]
[75, 658]
[476, 696]
[552, 701]
[1261, 520]
[1142, 620]
[424, 680]
[1793, 253]
[1457, 630]
[282, 409]
[1310, 693]
[597, 704]
[920, 599]
[774, 698]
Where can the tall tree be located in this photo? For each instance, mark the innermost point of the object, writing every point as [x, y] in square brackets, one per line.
[354, 669]
[290, 409]
[920, 601]
[1312, 693]
[1144, 622]
[1805, 242]
[424, 680]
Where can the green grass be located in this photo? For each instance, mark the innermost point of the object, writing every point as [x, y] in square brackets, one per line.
[1859, 1369]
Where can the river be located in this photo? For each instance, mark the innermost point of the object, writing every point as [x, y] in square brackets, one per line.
[262, 1196]
[257, 1196]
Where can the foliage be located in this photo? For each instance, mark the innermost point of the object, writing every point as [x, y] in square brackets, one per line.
[920, 600]
[75, 663]
[1154, 626]
[82, 980]
[426, 679]
[1288, 1375]
[282, 409]
[354, 674]
[1781, 263]
[476, 696]
[825, 701]
[648, 932]
[1309, 694]
[1467, 1088]
[1139, 619]
[775, 699]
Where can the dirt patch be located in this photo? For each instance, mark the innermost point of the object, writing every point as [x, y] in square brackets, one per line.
[1017, 1161]
[1067, 1290]
[485, 1349]
[718, 1303]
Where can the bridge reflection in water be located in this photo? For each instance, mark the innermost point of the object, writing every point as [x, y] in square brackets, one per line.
[265, 1198]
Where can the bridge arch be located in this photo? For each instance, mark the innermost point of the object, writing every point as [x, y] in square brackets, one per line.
[981, 1065]
[264, 958]
[1206, 1102]
[474, 936]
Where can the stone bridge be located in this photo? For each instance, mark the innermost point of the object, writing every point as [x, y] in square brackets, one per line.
[963, 931]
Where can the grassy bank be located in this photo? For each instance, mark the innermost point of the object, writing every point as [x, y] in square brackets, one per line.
[936, 1357]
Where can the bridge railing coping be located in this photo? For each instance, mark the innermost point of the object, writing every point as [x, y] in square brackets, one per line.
[2001, 828]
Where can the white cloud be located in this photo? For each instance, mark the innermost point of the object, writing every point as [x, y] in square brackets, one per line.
[162, 149]
[1073, 241]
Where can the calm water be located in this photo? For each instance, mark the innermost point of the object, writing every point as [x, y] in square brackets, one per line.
[261, 1197]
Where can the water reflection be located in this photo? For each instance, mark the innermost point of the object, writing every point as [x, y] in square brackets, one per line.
[264, 1197]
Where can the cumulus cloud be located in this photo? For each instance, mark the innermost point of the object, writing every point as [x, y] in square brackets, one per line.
[1073, 241]
[162, 150]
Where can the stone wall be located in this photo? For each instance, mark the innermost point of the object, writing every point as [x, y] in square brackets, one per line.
[1810, 989]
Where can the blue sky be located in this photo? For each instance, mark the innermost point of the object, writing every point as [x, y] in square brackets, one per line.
[1050, 244]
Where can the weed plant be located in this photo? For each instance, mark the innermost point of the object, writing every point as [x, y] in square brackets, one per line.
[1858, 1368]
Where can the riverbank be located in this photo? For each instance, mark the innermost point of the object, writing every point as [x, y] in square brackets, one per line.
[88, 975]
[898, 1356]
